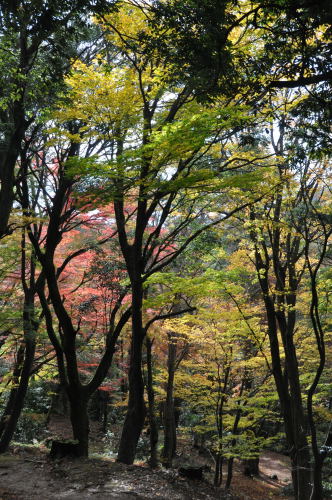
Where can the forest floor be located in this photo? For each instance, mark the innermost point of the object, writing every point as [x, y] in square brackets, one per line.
[28, 473]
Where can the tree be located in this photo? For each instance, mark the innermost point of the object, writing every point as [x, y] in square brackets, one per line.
[178, 348]
[296, 38]
[221, 380]
[282, 255]
[37, 42]
[50, 196]
[26, 351]
[155, 178]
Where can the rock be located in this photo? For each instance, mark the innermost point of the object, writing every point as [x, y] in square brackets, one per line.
[191, 472]
[94, 490]
[251, 467]
[61, 449]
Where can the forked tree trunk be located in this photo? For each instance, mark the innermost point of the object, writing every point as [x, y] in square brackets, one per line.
[281, 319]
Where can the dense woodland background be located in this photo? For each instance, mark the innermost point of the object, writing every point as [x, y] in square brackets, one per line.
[165, 223]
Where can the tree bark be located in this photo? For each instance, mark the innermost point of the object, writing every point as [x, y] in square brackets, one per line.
[15, 380]
[21, 391]
[17, 397]
[317, 489]
[25, 361]
[151, 409]
[79, 419]
[169, 414]
[136, 410]
[9, 157]
[219, 459]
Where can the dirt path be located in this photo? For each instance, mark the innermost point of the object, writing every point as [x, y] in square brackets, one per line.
[274, 470]
[275, 464]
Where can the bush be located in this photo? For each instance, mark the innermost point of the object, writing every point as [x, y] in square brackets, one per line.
[287, 490]
[327, 489]
[30, 427]
[32, 422]
[143, 448]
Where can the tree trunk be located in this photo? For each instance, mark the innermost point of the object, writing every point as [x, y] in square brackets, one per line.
[19, 396]
[294, 418]
[136, 410]
[15, 381]
[234, 431]
[218, 469]
[8, 161]
[219, 459]
[78, 401]
[229, 473]
[151, 399]
[301, 471]
[169, 415]
[317, 489]
[287, 381]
